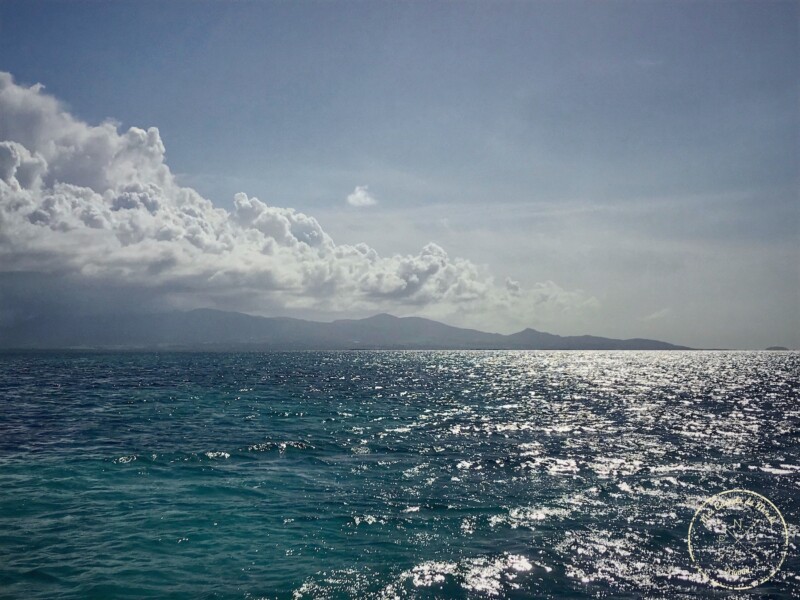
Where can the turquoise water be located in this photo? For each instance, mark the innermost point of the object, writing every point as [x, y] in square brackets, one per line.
[384, 474]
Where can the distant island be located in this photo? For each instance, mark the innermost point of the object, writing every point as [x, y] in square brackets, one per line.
[777, 348]
[216, 330]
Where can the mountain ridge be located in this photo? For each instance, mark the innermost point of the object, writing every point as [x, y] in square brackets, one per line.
[212, 329]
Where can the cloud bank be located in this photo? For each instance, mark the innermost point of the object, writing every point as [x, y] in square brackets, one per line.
[100, 209]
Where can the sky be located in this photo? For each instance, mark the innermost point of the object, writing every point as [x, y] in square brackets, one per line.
[625, 169]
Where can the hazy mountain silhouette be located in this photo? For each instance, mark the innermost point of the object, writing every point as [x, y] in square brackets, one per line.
[207, 329]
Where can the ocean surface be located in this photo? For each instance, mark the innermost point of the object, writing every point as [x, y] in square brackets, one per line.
[385, 474]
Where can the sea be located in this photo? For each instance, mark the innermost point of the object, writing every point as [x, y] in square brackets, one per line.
[409, 474]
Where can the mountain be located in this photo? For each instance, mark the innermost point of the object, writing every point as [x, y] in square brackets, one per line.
[207, 329]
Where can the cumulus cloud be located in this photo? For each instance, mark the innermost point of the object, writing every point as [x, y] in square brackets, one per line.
[361, 197]
[101, 209]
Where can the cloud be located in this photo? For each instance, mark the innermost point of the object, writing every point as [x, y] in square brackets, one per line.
[512, 286]
[657, 315]
[100, 210]
[361, 197]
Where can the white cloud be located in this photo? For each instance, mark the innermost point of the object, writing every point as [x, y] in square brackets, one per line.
[361, 197]
[102, 207]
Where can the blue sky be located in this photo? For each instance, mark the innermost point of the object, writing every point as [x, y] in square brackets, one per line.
[644, 155]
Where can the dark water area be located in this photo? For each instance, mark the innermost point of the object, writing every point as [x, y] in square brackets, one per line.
[386, 474]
